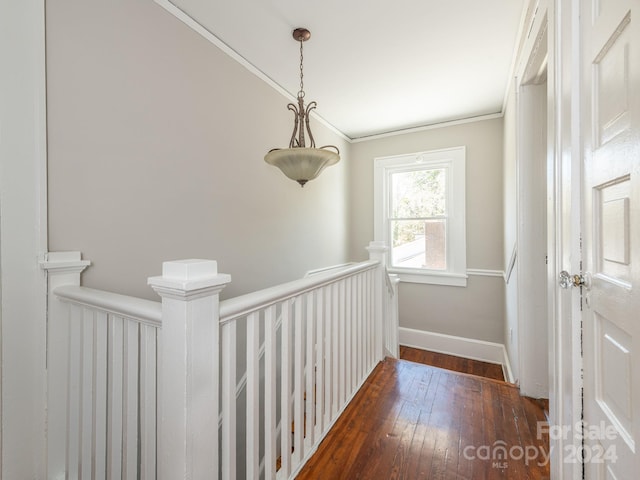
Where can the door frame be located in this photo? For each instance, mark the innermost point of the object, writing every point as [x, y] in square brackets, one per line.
[559, 20]
[564, 221]
[23, 239]
[531, 168]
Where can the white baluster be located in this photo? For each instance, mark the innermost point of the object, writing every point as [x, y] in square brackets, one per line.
[285, 394]
[75, 390]
[253, 395]
[320, 362]
[335, 346]
[270, 362]
[370, 331]
[342, 326]
[347, 338]
[360, 320]
[310, 373]
[393, 345]
[229, 400]
[353, 294]
[298, 388]
[328, 354]
[115, 407]
[130, 400]
[101, 385]
[88, 389]
[148, 389]
[378, 251]
[366, 321]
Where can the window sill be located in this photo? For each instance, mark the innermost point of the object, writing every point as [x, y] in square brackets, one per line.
[431, 278]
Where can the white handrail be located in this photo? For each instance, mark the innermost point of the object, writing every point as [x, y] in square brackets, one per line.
[242, 305]
[340, 267]
[146, 311]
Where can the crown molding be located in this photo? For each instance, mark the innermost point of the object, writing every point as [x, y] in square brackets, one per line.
[189, 21]
[433, 126]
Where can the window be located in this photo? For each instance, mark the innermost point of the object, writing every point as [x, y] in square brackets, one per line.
[420, 214]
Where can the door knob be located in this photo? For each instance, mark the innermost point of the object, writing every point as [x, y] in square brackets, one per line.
[567, 280]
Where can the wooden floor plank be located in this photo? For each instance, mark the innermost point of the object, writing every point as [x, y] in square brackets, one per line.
[411, 421]
[451, 362]
[417, 463]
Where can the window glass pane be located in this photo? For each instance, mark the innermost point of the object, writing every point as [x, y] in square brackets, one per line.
[419, 244]
[419, 193]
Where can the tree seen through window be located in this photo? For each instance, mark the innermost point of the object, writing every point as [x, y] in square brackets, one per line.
[418, 218]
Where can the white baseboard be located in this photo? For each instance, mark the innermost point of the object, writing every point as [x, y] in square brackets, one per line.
[506, 367]
[459, 346]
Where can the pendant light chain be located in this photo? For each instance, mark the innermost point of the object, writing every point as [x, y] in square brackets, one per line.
[301, 92]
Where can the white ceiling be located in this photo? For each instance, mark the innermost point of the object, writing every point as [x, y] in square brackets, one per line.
[376, 66]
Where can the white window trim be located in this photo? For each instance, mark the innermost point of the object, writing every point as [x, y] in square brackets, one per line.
[454, 160]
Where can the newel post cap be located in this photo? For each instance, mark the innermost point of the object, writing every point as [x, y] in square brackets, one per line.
[189, 277]
[377, 246]
[377, 250]
[189, 270]
[63, 262]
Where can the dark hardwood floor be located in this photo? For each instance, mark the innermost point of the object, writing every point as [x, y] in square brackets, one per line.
[412, 421]
[463, 365]
[451, 362]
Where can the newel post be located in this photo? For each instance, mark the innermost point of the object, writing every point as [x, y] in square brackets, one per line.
[62, 269]
[378, 251]
[189, 381]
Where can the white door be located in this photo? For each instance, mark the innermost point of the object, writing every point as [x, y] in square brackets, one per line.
[611, 236]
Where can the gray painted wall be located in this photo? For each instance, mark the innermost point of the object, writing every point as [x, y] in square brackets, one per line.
[476, 311]
[156, 146]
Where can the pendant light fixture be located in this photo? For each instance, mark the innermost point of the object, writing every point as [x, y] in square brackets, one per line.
[299, 162]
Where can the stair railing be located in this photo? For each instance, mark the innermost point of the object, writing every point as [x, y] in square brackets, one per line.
[302, 350]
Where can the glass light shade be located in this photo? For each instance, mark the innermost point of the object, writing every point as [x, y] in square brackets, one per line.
[301, 164]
